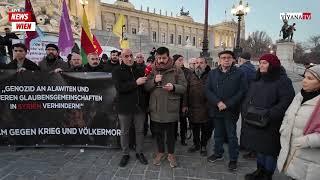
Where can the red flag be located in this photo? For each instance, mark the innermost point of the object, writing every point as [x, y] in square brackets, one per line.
[30, 34]
[96, 45]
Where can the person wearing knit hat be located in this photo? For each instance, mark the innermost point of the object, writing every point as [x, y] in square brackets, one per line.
[52, 46]
[52, 62]
[179, 62]
[263, 109]
[300, 132]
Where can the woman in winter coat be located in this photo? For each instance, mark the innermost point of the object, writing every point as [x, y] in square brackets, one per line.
[263, 110]
[300, 131]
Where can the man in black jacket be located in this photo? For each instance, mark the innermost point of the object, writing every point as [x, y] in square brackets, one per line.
[179, 62]
[52, 62]
[20, 62]
[131, 107]
[225, 89]
[114, 61]
[94, 64]
[8, 40]
[76, 63]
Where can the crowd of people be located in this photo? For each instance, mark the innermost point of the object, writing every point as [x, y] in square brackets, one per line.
[278, 128]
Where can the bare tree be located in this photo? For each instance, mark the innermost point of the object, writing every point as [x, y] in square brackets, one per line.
[257, 44]
[315, 40]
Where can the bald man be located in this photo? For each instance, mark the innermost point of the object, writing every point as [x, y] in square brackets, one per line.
[131, 106]
[192, 63]
[76, 63]
[140, 60]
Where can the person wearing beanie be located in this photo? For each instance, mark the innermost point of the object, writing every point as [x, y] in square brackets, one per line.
[300, 132]
[52, 62]
[225, 88]
[263, 109]
[179, 62]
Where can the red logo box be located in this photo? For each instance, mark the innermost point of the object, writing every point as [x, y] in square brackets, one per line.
[19, 16]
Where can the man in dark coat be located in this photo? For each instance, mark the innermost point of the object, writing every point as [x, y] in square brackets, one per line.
[76, 63]
[225, 89]
[197, 105]
[52, 62]
[8, 40]
[246, 66]
[3, 52]
[273, 91]
[179, 62]
[20, 62]
[129, 80]
[94, 64]
[250, 73]
[114, 61]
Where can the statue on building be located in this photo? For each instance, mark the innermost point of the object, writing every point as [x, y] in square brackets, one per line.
[287, 30]
[182, 13]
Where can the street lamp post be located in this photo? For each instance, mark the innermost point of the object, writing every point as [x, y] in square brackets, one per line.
[205, 54]
[239, 11]
[83, 2]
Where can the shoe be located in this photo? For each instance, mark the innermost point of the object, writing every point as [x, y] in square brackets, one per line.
[172, 161]
[141, 158]
[183, 143]
[257, 174]
[159, 157]
[214, 158]
[266, 175]
[203, 151]
[250, 155]
[233, 166]
[194, 148]
[124, 160]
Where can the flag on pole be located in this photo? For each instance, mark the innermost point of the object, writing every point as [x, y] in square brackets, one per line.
[29, 35]
[118, 31]
[66, 41]
[86, 39]
[96, 45]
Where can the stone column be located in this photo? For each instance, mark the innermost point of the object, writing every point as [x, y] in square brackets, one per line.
[285, 54]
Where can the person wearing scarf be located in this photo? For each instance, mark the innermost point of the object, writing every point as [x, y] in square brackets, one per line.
[299, 157]
[166, 85]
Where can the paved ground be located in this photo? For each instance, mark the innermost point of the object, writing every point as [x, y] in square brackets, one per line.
[102, 164]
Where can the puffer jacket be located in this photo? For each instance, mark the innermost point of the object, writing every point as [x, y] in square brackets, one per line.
[299, 163]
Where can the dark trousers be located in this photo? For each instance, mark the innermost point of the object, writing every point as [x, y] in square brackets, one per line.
[201, 133]
[183, 127]
[127, 121]
[229, 127]
[268, 162]
[162, 131]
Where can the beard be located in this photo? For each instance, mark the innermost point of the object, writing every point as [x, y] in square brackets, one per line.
[199, 72]
[50, 57]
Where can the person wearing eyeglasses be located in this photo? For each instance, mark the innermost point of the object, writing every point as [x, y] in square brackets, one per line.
[226, 86]
[20, 62]
[52, 62]
[129, 82]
